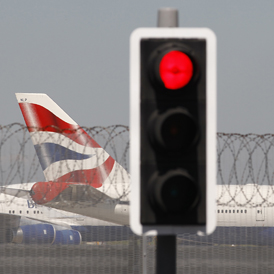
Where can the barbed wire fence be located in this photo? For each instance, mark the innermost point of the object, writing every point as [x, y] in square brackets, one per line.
[246, 160]
[242, 158]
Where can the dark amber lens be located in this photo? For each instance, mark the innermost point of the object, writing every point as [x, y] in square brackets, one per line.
[178, 131]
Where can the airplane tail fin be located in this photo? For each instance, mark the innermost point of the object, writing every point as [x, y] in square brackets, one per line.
[65, 151]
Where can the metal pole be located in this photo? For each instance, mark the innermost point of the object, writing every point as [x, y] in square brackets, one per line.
[166, 254]
[167, 18]
[144, 254]
[166, 244]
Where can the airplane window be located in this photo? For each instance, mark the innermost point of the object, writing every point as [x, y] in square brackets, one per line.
[241, 211]
[226, 211]
[9, 211]
[218, 211]
[13, 211]
[233, 211]
[20, 211]
[27, 212]
[258, 211]
[34, 211]
[229, 211]
[237, 211]
[245, 211]
[222, 211]
[38, 212]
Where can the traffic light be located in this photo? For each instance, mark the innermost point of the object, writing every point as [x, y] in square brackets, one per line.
[173, 130]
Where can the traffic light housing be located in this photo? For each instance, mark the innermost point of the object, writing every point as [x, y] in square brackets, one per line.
[173, 130]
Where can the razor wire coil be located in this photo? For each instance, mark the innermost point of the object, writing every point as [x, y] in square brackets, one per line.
[242, 159]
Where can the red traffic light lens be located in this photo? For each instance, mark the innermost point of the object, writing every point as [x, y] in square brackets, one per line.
[176, 70]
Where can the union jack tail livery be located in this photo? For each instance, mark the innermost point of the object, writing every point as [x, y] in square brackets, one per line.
[68, 156]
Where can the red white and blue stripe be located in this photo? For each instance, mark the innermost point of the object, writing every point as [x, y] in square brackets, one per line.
[65, 151]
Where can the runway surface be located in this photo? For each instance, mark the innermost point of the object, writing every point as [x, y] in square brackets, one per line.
[127, 257]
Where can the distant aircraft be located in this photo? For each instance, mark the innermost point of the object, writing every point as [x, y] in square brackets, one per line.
[86, 166]
[82, 178]
[23, 221]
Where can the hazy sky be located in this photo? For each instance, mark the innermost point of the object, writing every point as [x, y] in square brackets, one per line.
[78, 53]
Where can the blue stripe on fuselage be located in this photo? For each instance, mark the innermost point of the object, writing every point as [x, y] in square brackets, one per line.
[49, 153]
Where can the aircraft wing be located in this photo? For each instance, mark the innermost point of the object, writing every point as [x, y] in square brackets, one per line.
[76, 198]
[88, 201]
[19, 193]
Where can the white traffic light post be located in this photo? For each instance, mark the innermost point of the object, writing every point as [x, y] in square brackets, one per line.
[205, 112]
[173, 134]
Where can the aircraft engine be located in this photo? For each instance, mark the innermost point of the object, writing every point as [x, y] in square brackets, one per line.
[68, 237]
[13, 236]
[32, 234]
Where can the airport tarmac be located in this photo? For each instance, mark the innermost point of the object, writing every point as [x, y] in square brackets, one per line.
[127, 257]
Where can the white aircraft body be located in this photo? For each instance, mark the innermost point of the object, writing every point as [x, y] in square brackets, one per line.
[233, 214]
[85, 189]
[245, 205]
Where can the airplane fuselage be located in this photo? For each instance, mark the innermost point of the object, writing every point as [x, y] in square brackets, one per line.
[25, 207]
[233, 209]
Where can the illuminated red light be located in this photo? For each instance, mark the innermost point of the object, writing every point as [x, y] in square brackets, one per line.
[176, 69]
